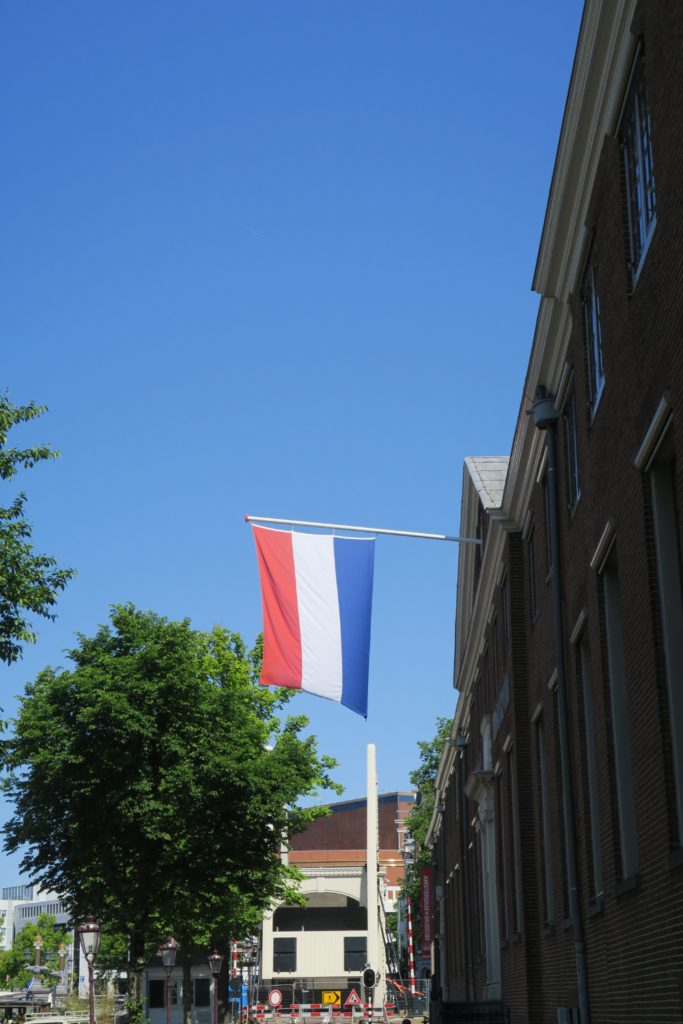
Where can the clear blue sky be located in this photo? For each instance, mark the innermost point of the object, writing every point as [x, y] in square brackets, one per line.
[271, 257]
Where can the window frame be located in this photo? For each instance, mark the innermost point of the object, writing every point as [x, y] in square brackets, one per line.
[590, 299]
[622, 756]
[661, 474]
[279, 954]
[571, 442]
[545, 831]
[635, 137]
[349, 953]
[533, 573]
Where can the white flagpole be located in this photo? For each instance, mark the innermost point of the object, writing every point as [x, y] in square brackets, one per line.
[362, 529]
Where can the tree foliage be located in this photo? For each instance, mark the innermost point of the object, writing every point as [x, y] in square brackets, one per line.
[154, 785]
[29, 582]
[14, 962]
[423, 778]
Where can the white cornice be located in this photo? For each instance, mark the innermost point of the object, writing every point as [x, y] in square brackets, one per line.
[603, 56]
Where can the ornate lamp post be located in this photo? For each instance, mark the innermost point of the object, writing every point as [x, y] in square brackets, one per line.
[38, 945]
[215, 961]
[167, 952]
[89, 933]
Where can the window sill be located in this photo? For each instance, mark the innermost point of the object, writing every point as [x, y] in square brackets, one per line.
[627, 885]
[595, 907]
[549, 929]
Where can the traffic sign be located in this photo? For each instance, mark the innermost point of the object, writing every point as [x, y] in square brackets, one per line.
[353, 999]
[275, 997]
[332, 998]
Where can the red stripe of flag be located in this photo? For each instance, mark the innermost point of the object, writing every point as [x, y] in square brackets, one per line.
[281, 632]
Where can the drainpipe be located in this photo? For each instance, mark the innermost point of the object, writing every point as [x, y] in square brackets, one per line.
[545, 418]
[461, 742]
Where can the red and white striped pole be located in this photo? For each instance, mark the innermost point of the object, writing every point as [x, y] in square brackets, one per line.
[234, 957]
[411, 953]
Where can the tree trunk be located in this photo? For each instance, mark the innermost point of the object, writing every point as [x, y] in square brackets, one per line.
[223, 993]
[136, 966]
[187, 990]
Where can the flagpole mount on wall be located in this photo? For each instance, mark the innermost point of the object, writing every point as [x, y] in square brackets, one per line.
[363, 529]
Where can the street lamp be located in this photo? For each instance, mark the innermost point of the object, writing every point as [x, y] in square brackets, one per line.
[215, 961]
[167, 952]
[89, 933]
[38, 945]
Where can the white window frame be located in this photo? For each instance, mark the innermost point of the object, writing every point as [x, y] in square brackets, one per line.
[636, 141]
[572, 451]
[593, 331]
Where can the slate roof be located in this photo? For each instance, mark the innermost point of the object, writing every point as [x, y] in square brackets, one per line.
[488, 473]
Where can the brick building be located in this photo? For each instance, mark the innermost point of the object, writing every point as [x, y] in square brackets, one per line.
[558, 830]
[310, 952]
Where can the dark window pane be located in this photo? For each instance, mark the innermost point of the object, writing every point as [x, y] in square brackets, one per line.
[284, 954]
[202, 991]
[155, 993]
[355, 952]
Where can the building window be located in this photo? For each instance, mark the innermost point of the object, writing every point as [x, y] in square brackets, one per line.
[593, 332]
[670, 581]
[636, 142]
[513, 831]
[503, 882]
[202, 991]
[156, 988]
[494, 655]
[591, 768]
[531, 560]
[505, 605]
[355, 952]
[548, 545]
[623, 769]
[573, 484]
[284, 955]
[544, 801]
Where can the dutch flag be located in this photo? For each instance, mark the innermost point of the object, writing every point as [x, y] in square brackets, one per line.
[317, 606]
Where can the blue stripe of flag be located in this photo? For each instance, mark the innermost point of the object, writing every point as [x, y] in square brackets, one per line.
[354, 564]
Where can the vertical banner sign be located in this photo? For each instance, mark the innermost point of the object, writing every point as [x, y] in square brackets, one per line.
[427, 909]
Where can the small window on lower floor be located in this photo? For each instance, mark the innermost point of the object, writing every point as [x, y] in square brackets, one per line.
[202, 991]
[155, 993]
[355, 952]
[284, 955]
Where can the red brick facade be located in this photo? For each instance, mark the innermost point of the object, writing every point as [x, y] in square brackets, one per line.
[340, 838]
[594, 632]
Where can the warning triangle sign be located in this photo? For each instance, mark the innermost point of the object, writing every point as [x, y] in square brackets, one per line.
[353, 999]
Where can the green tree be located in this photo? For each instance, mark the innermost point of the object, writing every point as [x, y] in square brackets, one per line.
[423, 779]
[154, 784]
[29, 583]
[14, 962]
